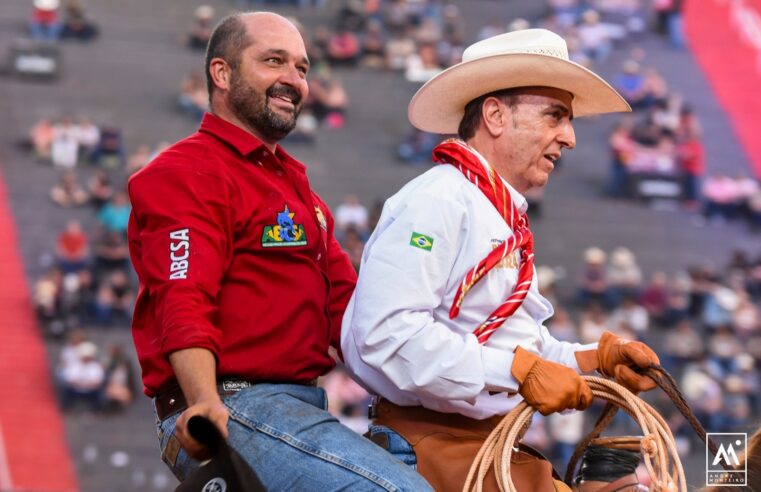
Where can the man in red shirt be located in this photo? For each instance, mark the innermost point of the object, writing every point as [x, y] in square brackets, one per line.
[242, 283]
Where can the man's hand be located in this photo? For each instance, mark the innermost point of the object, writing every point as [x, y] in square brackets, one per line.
[617, 358]
[214, 410]
[548, 386]
[195, 371]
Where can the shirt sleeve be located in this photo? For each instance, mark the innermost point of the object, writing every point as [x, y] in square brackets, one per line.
[401, 284]
[183, 228]
[562, 352]
[343, 279]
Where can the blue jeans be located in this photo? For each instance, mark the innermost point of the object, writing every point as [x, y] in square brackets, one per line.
[397, 445]
[288, 438]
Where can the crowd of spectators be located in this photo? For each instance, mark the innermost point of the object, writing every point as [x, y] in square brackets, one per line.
[50, 22]
[100, 384]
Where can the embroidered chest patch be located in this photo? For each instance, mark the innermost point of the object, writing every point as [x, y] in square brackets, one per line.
[286, 233]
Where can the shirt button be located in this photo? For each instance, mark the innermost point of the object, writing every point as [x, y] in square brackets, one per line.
[259, 162]
[319, 256]
[279, 173]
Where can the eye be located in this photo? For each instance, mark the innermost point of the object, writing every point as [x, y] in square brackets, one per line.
[274, 59]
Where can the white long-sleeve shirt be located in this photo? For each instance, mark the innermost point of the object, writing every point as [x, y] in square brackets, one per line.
[397, 338]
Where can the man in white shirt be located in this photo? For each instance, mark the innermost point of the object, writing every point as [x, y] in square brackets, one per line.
[446, 323]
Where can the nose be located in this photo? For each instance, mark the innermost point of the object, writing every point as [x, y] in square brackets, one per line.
[293, 76]
[567, 136]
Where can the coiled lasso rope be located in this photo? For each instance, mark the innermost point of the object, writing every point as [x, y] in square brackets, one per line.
[658, 447]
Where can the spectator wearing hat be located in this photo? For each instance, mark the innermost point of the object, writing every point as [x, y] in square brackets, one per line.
[83, 378]
[453, 250]
[45, 23]
[624, 275]
[593, 283]
[202, 27]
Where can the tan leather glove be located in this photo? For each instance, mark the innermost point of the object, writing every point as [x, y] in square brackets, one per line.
[548, 386]
[615, 357]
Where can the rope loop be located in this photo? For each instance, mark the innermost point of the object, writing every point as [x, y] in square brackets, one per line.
[658, 447]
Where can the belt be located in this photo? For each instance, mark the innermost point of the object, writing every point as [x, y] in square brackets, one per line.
[171, 401]
[382, 410]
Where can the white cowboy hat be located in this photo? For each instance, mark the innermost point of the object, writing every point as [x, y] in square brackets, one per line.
[527, 58]
[46, 4]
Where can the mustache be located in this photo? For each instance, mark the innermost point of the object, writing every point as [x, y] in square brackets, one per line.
[284, 90]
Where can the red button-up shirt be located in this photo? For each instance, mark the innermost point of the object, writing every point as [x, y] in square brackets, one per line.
[236, 254]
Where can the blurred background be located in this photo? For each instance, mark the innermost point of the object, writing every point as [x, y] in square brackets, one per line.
[649, 228]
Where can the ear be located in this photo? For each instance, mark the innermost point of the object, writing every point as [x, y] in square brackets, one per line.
[220, 73]
[494, 115]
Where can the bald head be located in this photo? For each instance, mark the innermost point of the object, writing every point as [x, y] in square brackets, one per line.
[236, 32]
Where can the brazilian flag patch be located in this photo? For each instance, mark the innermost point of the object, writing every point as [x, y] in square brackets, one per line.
[421, 241]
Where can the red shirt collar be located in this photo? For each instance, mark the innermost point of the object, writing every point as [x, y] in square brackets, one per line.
[241, 140]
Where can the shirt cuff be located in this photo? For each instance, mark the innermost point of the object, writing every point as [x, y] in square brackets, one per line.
[497, 364]
[573, 363]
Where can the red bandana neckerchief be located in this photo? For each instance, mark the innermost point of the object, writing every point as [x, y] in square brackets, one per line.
[460, 155]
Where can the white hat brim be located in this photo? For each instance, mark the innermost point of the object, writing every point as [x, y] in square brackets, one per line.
[440, 104]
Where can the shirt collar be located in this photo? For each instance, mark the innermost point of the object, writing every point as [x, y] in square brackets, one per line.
[242, 141]
[518, 199]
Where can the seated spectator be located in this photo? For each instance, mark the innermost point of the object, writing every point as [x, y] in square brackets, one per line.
[398, 49]
[633, 316]
[746, 318]
[139, 159]
[194, 96]
[103, 305]
[593, 285]
[68, 192]
[351, 213]
[115, 214]
[47, 295]
[343, 48]
[73, 248]
[703, 394]
[120, 379]
[124, 295]
[723, 348]
[83, 379]
[353, 245]
[100, 189]
[624, 275]
[562, 327]
[374, 45]
[746, 188]
[655, 296]
[418, 147]
[683, 344]
[656, 88]
[678, 306]
[595, 37]
[203, 25]
[41, 137]
[77, 25]
[327, 97]
[109, 154]
[630, 83]
[88, 137]
[111, 253]
[45, 23]
[70, 352]
[720, 196]
[423, 65]
[592, 323]
[64, 150]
